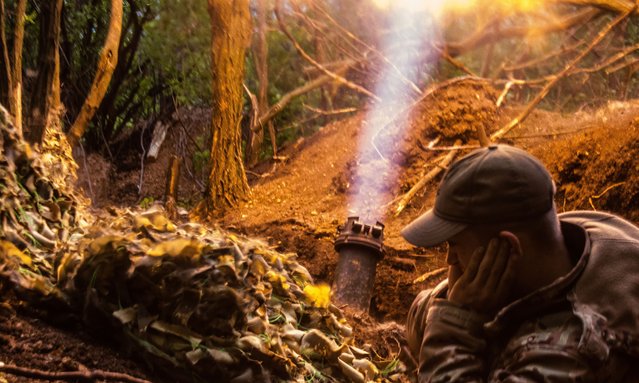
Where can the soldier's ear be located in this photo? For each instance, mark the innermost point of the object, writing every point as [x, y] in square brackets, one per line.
[513, 241]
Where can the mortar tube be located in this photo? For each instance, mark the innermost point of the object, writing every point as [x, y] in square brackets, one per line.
[360, 248]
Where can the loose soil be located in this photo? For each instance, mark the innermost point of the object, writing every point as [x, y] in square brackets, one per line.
[297, 204]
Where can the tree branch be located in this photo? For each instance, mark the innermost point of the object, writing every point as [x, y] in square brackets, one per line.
[106, 65]
[522, 116]
[5, 58]
[368, 47]
[442, 164]
[489, 34]
[69, 375]
[542, 59]
[620, 6]
[308, 58]
[276, 108]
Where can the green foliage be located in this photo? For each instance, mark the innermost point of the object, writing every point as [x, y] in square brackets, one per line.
[201, 160]
[178, 44]
[146, 202]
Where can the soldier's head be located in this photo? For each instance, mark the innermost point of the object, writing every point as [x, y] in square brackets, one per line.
[492, 190]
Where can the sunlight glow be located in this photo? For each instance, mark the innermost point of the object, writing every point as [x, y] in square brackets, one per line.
[436, 7]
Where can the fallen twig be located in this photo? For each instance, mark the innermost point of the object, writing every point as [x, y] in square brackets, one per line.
[429, 176]
[503, 94]
[89, 375]
[560, 133]
[454, 147]
[430, 274]
[544, 91]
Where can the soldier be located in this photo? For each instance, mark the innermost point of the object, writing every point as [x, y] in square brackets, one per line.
[531, 295]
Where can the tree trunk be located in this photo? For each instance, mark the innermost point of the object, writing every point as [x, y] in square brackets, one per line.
[106, 66]
[44, 97]
[260, 53]
[5, 64]
[16, 90]
[171, 189]
[230, 34]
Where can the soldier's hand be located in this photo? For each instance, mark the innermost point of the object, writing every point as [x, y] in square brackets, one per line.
[485, 284]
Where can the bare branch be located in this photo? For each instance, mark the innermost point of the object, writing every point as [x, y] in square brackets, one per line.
[5, 56]
[322, 80]
[429, 176]
[522, 116]
[369, 48]
[620, 6]
[330, 112]
[539, 60]
[70, 375]
[308, 58]
[456, 63]
[490, 34]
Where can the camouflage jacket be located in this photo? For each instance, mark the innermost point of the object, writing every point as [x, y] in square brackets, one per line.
[584, 327]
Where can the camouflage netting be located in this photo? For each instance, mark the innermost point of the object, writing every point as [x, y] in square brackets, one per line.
[201, 304]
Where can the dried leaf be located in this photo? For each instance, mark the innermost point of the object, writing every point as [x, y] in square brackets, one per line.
[178, 247]
[126, 315]
[9, 250]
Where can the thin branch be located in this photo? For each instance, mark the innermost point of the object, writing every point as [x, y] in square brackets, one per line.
[522, 116]
[370, 48]
[561, 133]
[277, 107]
[620, 6]
[430, 274]
[611, 60]
[428, 177]
[454, 147]
[606, 190]
[5, 55]
[330, 112]
[489, 34]
[456, 63]
[319, 66]
[622, 65]
[504, 93]
[87, 375]
[543, 59]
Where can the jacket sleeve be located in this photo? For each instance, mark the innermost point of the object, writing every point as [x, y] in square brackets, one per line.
[454, 349]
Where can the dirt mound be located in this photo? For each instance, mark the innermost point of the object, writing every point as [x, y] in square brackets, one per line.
[453, 112]
[597, 169]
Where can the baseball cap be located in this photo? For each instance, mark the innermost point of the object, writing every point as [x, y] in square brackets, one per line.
[494, 184]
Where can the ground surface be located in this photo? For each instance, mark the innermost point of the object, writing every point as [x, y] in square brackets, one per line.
[297, 205]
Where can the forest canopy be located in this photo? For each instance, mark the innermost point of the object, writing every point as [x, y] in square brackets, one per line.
[114, 72]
